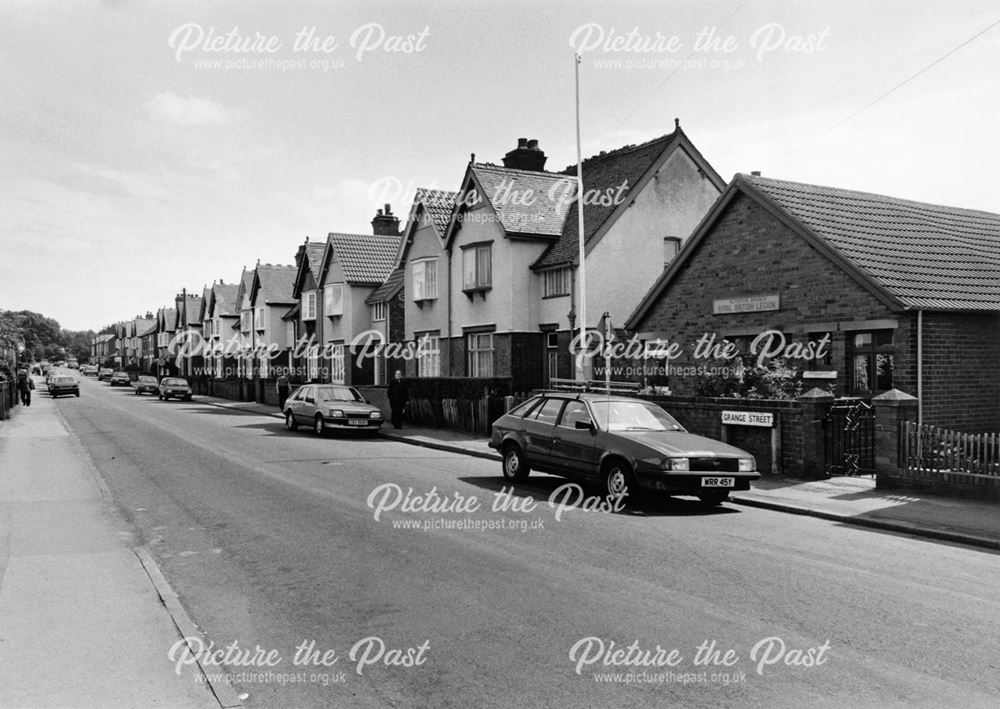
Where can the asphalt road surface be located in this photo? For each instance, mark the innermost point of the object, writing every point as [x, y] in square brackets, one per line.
[271, 540]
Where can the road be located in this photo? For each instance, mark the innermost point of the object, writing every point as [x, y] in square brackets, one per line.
[271, 541]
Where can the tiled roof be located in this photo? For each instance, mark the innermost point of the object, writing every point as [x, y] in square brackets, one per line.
[925, 255]
[225, 298]
[168, 316]
[525, 201]
[144, 327]
[388, 290]
[602, 174]
[275, 283]
[365, 258]
[439, 204]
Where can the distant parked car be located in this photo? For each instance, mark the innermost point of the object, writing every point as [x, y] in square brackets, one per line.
[60, 384]
[104, 373]
[331, 406]
[73, 364]
[146, 385]
[176, 387]
[625, 445]
[88, 370]
[120, 379]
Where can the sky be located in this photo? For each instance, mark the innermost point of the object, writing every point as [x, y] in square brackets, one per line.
[148, 147]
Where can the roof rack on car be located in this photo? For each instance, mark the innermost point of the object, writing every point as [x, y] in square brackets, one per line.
[595, 386]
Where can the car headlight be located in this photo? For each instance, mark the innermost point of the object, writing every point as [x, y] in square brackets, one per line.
[747, 465]
[375, 414]
[336, 413]
[678, 464]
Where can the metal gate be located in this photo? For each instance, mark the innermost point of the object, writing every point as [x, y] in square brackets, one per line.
[849, 430]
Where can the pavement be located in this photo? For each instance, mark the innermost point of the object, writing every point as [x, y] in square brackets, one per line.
[847, 500]
[81, 622]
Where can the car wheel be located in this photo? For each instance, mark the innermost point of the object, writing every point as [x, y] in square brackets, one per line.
[515, 467]
[617, 478]
[319, 426]
[188, 397]
[290, 423]
[160, 397]
[137, 392]
[713, 498]
[78, 395]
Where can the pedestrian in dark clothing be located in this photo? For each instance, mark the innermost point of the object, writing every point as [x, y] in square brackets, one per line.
[24, 385]
[398, 398]
[282, 389]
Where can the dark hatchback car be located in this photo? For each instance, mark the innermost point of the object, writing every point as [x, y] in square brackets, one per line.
[146, 384]
[176, 388]
[120, 379]
[621, 443]
[61, 384]
[331, 406]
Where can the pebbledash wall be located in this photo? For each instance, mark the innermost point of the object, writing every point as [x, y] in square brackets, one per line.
[750, 252]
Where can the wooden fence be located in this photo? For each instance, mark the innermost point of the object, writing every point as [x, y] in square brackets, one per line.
[932, 449]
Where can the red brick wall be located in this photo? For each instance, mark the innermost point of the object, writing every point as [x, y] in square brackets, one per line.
[750, 252]
[961, 371]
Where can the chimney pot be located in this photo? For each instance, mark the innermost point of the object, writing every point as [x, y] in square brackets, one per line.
[533, 144]
[522, 142]
[388, 209]
[526, 156]
[755, 173]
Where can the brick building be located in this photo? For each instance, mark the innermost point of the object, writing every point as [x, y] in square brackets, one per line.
[906, 294]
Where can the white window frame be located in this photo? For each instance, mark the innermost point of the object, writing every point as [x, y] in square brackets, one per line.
[261, 318]
[246, 317]
[338, 368]
[429, 361]
[477, 272]
[555, 282]
[309, 305]
[380, 311]
[313, 363]
[425, 279]
[480, 354]
[671, 247]
[333, 300]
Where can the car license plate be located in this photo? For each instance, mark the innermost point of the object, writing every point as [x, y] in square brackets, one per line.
[718, 482]
[357, 422]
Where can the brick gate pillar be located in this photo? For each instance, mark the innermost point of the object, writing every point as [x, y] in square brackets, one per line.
[815, 403]
[891, 409]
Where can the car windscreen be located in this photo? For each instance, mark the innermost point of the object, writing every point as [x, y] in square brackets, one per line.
[337, 394]
[632, 416]
[147, 380]
[175, 382]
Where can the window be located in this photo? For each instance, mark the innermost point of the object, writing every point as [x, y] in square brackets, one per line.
[574, 411]
[870, 358]
[425, 279]
[337, 369]
[333, 300]
[290, 333]
[313, 363]
[264, 367]
[429, 361]
[671, 245]
[245, 317]
[549, 411]
[480, 349]
[552, 355]
[261, 319]
[556, 282]
[379, 311]
[477, 267]
[309, 306]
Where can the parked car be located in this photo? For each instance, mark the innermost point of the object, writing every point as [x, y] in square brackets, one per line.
[88, 370]
[625, 445]
[176, 387]
[73, 364]
[60, 384]
[331, 406]
[104, 373]
[146, 384]
[120, 378]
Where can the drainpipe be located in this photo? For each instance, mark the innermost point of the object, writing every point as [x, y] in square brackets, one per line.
[920, 366]
[450, 345]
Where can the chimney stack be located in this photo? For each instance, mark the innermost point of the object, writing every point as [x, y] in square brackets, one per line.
[526, 156]
[385, 222]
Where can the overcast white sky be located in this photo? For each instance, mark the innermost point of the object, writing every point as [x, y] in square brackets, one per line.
[133, 167]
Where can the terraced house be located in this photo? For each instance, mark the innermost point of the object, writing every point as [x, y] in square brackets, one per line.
[498, 288]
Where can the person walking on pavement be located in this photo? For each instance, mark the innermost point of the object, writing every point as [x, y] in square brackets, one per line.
[24, 385]
[399, 396]
[282, 385]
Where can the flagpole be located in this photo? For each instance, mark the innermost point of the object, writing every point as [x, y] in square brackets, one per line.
[581, 268]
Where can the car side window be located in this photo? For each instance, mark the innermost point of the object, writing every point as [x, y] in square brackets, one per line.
[549, 411]
[310, 395]
[574, 411]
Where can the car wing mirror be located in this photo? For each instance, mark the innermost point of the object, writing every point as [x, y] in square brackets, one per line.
[584, 426]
